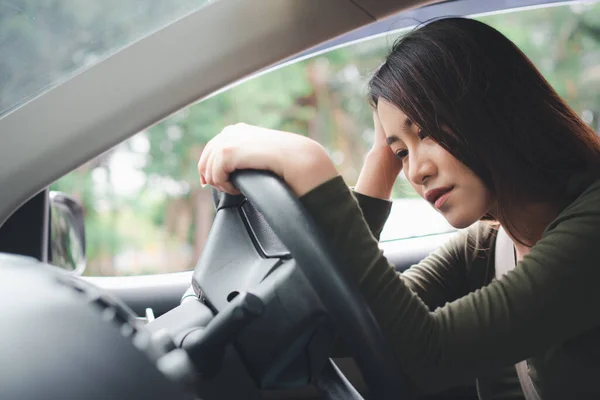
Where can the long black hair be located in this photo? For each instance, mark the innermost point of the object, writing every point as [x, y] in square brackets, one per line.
[474, 92]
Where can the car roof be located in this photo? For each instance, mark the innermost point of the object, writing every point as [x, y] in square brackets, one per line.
[165, 71]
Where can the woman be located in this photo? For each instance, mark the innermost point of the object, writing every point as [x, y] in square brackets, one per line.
[482, 136]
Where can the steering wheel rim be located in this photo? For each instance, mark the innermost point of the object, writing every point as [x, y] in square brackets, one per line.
[339, 295]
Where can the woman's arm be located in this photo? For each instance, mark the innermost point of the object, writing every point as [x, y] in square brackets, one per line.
[375, 211]
[381, 167]
[550, 297]
[445, 274]
[376, 180]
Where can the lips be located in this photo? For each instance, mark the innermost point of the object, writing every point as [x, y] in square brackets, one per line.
[434, 195]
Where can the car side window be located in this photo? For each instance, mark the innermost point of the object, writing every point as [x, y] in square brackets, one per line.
[146, 212]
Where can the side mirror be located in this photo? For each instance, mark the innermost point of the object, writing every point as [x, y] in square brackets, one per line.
[67, 233]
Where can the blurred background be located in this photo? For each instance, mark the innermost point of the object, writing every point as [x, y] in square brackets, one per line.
[145, 210]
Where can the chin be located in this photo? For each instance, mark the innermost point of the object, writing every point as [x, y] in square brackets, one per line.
[461, 221]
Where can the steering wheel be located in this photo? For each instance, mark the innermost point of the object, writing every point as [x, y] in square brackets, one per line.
[339, 295]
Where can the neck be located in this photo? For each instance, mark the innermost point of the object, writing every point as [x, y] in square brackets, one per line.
[528, 224]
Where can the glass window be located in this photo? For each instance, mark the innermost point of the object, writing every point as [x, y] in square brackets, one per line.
[43, 42]
[146, 212]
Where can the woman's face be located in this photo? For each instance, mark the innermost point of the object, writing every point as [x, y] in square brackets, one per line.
[437, 176]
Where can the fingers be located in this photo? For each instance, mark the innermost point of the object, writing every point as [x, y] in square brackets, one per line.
[203, 161]
[243, 146]
[220, 170]
[214, 165]
[208, 177]
[379, 131]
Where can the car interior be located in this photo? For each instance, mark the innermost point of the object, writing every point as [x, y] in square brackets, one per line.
[267, 312]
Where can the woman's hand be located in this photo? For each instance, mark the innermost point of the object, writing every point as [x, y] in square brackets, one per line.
[379, 143]
[301, 162]
[381, 167]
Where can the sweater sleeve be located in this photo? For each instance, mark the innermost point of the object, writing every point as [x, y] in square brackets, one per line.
[441, 277]
[452, 270]
[375, 211]
[550, 297]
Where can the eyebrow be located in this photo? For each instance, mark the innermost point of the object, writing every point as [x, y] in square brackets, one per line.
[405, 127]
[391, 139]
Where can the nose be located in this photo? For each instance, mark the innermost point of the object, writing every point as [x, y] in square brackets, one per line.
[420, 168]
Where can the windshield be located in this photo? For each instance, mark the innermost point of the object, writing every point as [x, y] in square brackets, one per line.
[44, 42]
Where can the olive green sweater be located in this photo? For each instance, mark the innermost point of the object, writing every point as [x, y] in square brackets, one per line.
[449, 321]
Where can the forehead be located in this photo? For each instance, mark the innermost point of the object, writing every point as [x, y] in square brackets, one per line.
[394, 121]
[389, 112]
